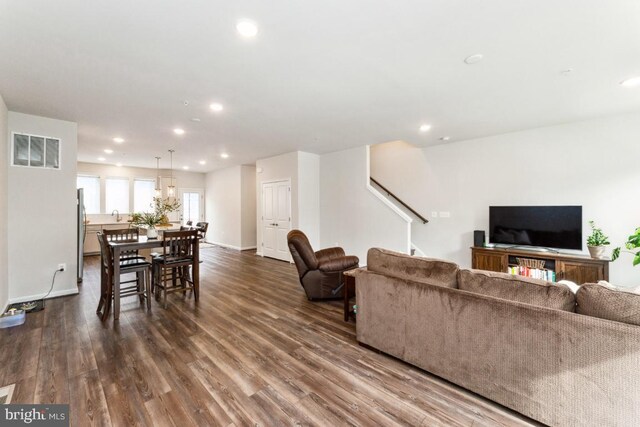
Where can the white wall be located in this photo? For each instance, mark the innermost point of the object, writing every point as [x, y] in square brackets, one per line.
[231, 207]
[42, 216]
[248, 206]
[182, 179]
[223, 207]
[592, 163]
[309, 196]
[351, 216]
[4, 202]
[276, 168]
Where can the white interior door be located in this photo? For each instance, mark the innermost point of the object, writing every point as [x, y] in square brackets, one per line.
[276, 219]
[192, 201]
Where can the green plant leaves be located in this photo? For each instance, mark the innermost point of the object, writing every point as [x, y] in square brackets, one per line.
[597, 237]
[633, 242]
[615, 254]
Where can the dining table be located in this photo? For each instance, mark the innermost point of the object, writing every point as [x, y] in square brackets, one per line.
[143, 242]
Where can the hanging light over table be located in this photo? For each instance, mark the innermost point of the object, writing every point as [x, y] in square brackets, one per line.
[158, 189]
[171, 189]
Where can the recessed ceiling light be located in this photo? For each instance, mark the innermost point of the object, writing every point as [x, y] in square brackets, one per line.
[247, 28]
[445, 138]
[185, 167]
[202, 162]
[118, 164]
[224, 155]
[473, 59]
[631, 82]
[102, 159]
[118, 140]
[567, 72]
[425, 128]
[217, 107]
[195, 119]
[178, 131]
[108, 151]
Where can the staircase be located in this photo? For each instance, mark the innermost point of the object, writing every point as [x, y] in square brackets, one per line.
[405, 211]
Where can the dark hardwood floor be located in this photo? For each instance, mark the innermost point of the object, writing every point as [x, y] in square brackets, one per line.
[253, 351]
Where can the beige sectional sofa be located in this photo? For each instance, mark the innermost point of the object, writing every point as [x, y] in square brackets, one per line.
[517, 341]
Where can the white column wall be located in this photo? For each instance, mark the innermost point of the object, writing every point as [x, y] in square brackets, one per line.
[42, 216]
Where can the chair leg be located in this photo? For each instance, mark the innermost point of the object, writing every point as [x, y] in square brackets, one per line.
[196, 290]
[147, 274]
[164, 294]
[140, 284]
[103, 290]
[183, 280]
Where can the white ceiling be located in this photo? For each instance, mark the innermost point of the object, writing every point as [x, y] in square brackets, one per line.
[320, 76]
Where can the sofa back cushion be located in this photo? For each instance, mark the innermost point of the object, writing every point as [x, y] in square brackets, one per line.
[517, 288]
[417, 269]
[606, 303]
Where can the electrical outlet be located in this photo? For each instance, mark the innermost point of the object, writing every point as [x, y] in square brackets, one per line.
[62, 267]
[434, 214]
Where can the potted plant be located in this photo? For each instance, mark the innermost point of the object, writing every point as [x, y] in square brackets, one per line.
[632, 243]
[161, 207]
[596, 241]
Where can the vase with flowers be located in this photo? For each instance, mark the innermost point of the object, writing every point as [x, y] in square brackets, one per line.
[157, 217]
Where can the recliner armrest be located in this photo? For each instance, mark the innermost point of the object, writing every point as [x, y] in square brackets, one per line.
[329, 253]
[338, 264]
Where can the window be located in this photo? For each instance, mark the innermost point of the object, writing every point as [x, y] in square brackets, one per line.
[36, 151]
[143, 193]
[116, 193]
[191, 206]
[91, 185]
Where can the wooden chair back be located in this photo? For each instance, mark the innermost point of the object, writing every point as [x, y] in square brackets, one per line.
[105, 252]
[123, 235]
[202, 228]
[178, 245]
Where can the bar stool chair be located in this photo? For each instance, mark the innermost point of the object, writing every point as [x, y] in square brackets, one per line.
[173, 265]
[130, 234]
[141, 288]
[202, 228]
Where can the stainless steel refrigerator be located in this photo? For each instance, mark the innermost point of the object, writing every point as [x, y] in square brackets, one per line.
[82, 232]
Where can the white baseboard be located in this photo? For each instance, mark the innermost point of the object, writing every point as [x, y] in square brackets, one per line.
[237, 248]
[61, 293]
[258, 253]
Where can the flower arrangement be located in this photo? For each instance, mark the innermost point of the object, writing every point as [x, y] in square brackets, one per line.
[161, 207]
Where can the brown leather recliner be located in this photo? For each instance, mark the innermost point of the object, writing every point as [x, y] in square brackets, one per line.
[320, 272]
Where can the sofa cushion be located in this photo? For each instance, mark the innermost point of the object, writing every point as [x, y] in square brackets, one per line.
[423, 270]
[517, 288]
[606, 303]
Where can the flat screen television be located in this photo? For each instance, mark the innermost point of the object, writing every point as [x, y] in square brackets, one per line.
[543, 226]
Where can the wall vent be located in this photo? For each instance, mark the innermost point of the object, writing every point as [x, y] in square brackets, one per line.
[35, 151]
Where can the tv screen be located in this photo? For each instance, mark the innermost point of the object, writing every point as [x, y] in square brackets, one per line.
[545, 226]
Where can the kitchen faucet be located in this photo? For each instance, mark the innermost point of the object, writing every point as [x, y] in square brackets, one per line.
[118, 217]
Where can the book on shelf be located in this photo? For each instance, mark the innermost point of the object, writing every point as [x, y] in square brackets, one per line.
[534, 273]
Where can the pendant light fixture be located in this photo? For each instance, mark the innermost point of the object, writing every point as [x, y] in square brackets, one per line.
[171, 189]
[158, 190]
